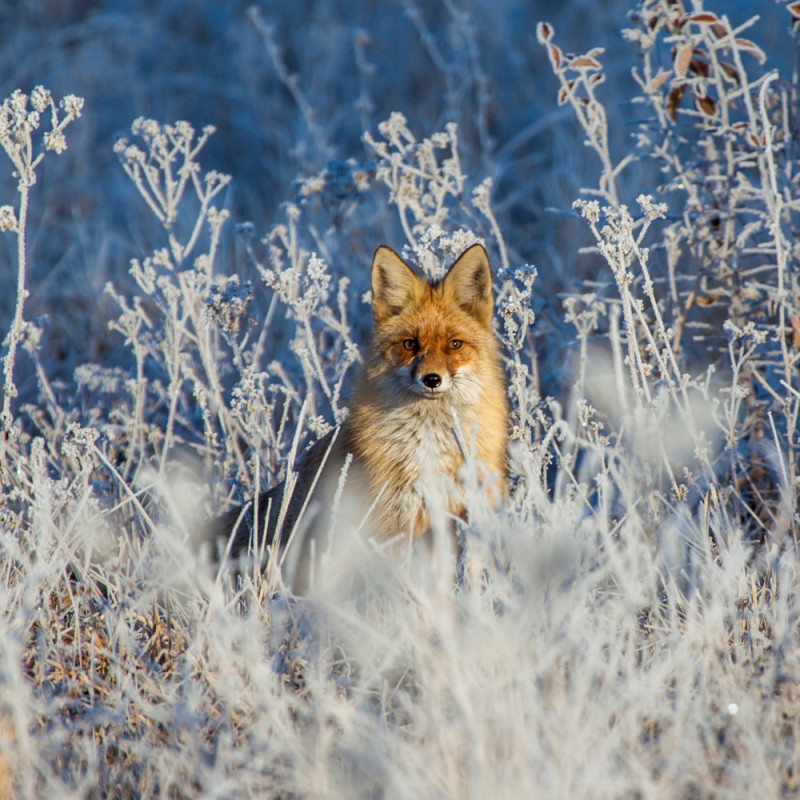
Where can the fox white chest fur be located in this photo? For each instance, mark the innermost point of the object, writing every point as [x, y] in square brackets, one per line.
[423, 457]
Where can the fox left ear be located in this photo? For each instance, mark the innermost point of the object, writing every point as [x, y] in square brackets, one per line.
[468, 283]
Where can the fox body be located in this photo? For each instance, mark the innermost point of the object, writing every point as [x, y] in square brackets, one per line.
[432, 372]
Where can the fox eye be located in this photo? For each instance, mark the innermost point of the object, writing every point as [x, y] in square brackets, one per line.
[410, 344]
[455, 344]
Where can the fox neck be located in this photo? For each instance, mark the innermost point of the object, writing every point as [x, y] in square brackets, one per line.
[413, 432]
[405, 446]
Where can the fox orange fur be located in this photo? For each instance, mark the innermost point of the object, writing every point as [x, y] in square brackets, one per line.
[432, 369]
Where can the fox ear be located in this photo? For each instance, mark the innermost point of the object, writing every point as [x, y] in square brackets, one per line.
[469, 284]
[394, 284]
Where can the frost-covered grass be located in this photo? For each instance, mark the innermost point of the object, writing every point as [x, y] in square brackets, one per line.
[628, 626]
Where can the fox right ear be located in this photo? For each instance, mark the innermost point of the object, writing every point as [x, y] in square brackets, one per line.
[394, 284]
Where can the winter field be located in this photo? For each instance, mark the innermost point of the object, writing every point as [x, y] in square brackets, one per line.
[184, 309]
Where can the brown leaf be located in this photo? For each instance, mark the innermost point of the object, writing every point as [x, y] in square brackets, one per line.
[659, 80]
[707, 105]
[794, 9]
[674, 100]
[730, 71]
[703, 17]
[795, 320]
[720, 31]
[562, 96]
[555, 55]
[699, 67]
[752, 48]
[706, 299]
[584, 62]
[682, 59]
[544, 32]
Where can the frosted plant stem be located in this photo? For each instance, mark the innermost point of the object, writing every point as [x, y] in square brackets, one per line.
[775, 207]
[174, 393]
[401, 211]
[18, 124]
[289, 80]
[9, 389]
[132, 496]
[481, 202]
[198, 226]
[138, 413]
[312, 349]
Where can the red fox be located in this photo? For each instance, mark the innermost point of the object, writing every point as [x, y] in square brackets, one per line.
[432, 370]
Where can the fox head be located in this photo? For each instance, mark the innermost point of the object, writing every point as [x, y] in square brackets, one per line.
[432, 339]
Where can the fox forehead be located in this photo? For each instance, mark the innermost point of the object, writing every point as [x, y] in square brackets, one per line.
[429, 321]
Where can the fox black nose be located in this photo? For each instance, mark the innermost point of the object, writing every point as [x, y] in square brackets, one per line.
[431, 380]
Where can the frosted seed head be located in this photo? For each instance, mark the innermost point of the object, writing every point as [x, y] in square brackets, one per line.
[734, 330]
[133, 154]
[361, 180]
[72, 104]
[40, 98]
[589, 209]
[312, 185]
[316, 268]
[216, 180]
[8, 219]
[55, 140]
[394, 127]
[217, 217]
[650, 209]
[450, 168]
[480, 194]
[183, 130]
[18, 101]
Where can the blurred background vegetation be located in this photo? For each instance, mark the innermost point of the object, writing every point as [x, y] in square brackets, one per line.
[290, 87]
